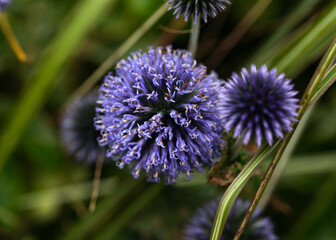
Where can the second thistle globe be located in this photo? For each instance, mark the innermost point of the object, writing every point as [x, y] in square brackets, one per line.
[159, 114]
[78, 134]
[259, 104]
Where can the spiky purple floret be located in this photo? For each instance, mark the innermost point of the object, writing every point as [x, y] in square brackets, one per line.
[159, 114]
[4, 4]
[197, 8]
[258, 227]
[259, 104]
[78, 134]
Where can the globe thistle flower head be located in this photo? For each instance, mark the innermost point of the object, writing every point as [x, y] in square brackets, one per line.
[200, 225]
[159, 114]
[78, 134]
[259, 104]
[197, 8]
[4, 4]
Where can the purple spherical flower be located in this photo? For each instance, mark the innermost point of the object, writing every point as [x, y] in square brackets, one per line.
[78, 134]
[4, 4]
[198, 8]
[159, 114]
[259, 104]
[200, 225]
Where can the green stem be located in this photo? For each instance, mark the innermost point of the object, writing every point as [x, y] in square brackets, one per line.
[115, 56]
[235, 188]
[106, 209]
[12, 40]
[96, 181]
[237, 146]
[307, 96]
[284, 160]
[193, 40]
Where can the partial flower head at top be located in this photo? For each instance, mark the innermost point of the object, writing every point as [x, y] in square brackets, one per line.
[159, 114]
[4, 4]
[200, 225]
[198, 8]
[259, 104]
[78, 134]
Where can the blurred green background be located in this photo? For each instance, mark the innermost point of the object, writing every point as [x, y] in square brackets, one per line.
[44, 193]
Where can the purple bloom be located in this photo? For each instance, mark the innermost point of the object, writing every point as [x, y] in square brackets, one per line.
[198, 8]
[260, 104]
[258, 227]
[78, 134]
[4, 4]
[159, 114]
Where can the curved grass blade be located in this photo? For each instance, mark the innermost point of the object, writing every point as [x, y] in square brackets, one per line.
[235, 188]
[326, 82]
[12, 40]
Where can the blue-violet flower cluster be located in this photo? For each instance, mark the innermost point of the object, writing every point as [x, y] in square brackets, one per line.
[259, 104]
[4, 4]
[78, 134]
[198, 8]
[258, 227]
[159, 114]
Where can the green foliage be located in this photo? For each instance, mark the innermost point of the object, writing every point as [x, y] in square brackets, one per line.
[44, 194]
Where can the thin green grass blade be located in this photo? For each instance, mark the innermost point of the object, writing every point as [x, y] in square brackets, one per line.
[297, 15]
[115, 56]
[80, 22]
[311, 56]
[284, 160]
[326, 83]
[225, 46]
[305, 44]
[104, 209]
[326, 24]
[235, 188]
[110, 231]
[320, 163]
